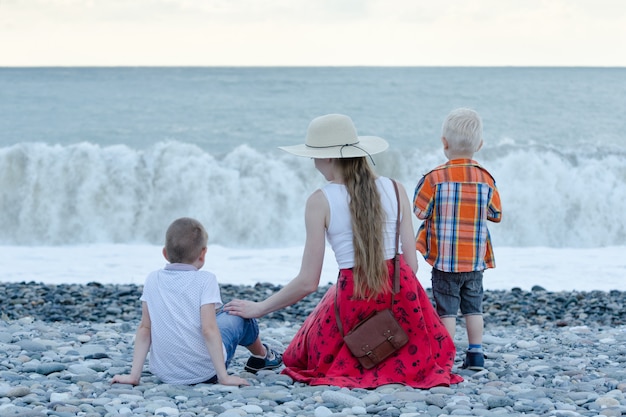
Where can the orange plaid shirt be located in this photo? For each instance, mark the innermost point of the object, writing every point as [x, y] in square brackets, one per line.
[456, 200]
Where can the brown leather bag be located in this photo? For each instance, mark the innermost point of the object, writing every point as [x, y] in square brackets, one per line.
[378, 335]
[375, 338]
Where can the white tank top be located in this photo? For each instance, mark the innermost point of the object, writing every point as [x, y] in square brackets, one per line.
[339, 232]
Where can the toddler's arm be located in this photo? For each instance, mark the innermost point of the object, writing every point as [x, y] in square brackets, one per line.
[423, 199]
[494, 212]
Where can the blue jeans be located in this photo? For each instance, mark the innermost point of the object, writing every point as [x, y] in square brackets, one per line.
[236, 331]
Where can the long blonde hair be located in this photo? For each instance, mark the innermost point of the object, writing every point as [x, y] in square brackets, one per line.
[371, 276]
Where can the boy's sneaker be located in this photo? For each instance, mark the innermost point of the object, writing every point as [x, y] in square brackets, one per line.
[272, 360]
[474, 361]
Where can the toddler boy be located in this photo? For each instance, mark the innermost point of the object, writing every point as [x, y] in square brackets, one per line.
[455, 201]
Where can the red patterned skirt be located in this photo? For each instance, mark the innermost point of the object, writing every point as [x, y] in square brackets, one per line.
[317, 354]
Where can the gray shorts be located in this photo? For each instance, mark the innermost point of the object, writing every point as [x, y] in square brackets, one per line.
[454, 290]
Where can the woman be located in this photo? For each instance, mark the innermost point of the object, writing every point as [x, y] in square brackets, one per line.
[356, 211]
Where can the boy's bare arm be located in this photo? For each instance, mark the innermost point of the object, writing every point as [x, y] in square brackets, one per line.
[213, 341]
[143, 339]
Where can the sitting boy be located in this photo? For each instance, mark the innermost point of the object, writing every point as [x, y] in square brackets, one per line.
[189, 342]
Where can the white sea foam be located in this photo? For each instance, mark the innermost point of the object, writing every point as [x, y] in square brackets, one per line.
[85, 194]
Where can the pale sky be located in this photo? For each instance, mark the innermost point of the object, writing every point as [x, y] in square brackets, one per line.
[312, 32]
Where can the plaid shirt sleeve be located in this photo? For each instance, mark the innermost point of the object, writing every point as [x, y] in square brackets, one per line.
[423, 204]
[494, 212]
[423, 199]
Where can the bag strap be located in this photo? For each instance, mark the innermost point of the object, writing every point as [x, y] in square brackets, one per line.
[396, 268]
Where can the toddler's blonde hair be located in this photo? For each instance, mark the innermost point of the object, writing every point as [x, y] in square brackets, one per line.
[463, 129]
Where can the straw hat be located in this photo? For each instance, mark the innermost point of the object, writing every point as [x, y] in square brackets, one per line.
[334, 136]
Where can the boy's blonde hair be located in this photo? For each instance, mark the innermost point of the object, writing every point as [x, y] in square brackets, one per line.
[463, 129]
[184, 240]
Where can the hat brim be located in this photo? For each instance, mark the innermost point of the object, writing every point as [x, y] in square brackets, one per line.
[367, 145]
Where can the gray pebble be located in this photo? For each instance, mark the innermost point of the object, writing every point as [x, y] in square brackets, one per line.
[342, 399]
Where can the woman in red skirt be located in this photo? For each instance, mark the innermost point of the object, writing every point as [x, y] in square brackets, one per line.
[356, 212]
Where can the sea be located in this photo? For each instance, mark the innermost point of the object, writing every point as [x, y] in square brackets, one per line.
[96, 162]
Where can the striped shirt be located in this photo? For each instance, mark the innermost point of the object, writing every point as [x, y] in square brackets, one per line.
[456, 200]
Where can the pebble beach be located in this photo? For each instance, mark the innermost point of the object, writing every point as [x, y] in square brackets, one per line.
[548, 354]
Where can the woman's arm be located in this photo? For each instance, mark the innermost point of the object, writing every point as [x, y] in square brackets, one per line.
[315, 219]
[407, 235]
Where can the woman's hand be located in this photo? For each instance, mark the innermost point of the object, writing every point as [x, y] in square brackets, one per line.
[243, 308]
